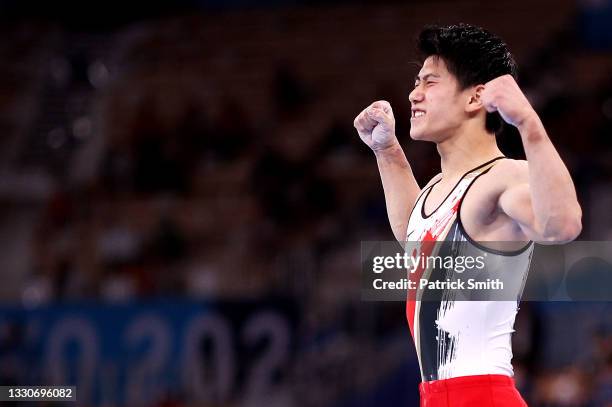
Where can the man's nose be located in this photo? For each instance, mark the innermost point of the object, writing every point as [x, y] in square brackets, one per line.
[416, 95]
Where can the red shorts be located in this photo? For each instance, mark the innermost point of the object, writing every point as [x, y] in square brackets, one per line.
[471, 391]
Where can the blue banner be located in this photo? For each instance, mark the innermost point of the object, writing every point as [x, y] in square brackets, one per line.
[139, 354]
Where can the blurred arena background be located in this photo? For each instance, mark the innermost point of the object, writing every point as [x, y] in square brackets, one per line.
[183, 197]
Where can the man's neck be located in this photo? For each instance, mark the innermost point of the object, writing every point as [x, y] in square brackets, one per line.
[464, 151]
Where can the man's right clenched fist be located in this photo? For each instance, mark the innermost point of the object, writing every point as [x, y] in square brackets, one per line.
[376, 125]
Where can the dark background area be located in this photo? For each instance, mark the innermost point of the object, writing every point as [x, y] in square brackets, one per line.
[183, 197]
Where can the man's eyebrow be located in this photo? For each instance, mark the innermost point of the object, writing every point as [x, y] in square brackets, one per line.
[417, 78]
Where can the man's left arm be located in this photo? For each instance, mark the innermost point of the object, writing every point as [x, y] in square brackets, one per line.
[545, 207]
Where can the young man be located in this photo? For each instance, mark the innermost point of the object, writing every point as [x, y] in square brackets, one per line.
[465, 88]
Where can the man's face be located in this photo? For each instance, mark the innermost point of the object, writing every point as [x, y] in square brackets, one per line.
[437, 104]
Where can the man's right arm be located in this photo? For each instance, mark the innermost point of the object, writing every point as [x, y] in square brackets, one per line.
[376, 127]
[400, 186]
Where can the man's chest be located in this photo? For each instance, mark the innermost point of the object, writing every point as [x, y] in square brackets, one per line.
[475, 206]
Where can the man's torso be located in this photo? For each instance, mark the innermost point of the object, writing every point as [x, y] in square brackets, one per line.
[456, 337]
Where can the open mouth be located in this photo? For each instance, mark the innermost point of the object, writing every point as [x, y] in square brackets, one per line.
[416, 113]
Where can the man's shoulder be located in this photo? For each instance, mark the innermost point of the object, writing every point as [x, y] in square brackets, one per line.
[435, 179]
[510, 170]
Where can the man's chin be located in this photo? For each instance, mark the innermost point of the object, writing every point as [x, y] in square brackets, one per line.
[418, 135]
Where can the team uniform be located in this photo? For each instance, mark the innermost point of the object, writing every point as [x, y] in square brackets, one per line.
[463, 347]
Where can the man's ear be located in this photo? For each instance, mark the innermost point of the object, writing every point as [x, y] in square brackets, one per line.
[474, 102]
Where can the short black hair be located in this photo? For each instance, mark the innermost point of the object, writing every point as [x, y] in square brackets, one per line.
[472, 54]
